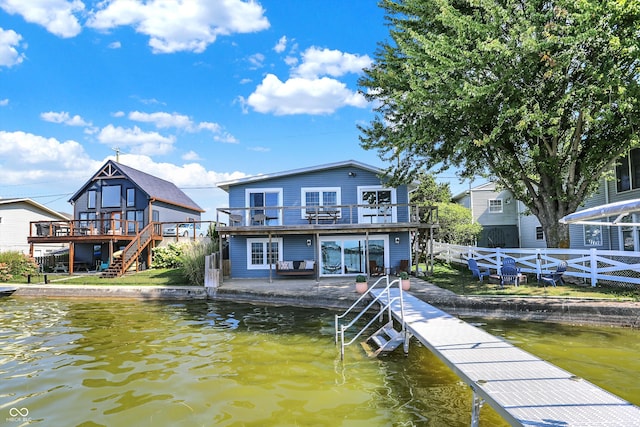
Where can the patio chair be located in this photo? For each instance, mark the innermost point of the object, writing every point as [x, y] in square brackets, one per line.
[555, 277]
[375, 269]
[512, 262]
[476, 271]
[404, 265]
[509, 276]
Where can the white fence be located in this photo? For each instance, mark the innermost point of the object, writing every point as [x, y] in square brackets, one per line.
[619, 268]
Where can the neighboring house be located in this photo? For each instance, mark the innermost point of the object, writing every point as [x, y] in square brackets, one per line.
[118, 208]
[330, 220]
[489, 208]
[15, 217]
[625, 186]
[497, 212]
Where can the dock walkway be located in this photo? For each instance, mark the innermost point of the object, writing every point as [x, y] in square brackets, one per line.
[523, 389]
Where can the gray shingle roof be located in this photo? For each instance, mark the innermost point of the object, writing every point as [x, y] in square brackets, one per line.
[156, 188]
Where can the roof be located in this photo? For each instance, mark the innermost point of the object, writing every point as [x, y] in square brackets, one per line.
[596, 214]
[37, 205]
[262, 177]
[156, 188]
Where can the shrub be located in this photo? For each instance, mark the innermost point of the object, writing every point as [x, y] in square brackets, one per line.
[14, 263]
[168, 256]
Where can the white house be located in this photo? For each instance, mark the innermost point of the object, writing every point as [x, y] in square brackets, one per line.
[15, 217]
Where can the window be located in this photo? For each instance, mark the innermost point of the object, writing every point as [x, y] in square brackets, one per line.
[260, 254]
[134, 221]
[131, 197]
[495, 206]
[320, 198]
[376, 203]
[264, 206]
[88, 220]
[539, 233]
[344, 255]
[91, 199]
[628, 171]
[592, 235]
[111, 196]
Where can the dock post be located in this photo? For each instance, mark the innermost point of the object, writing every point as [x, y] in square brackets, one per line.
[475, 411]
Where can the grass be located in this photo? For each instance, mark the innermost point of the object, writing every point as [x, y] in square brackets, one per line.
[459, 280]
[151, 277]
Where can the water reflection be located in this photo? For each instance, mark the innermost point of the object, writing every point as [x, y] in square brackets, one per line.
[81, 363]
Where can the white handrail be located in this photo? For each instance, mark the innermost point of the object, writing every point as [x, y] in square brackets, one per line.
[340, 329]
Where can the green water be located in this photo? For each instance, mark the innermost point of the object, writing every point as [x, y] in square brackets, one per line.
[120, 363]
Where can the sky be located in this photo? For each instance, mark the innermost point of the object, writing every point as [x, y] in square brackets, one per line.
[196, 92]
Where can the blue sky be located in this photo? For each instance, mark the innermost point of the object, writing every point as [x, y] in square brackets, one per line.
[192, 91]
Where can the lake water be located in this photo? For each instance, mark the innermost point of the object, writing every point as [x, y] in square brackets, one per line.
[67, 362]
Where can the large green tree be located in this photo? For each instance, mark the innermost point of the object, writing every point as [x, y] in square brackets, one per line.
[540, 95]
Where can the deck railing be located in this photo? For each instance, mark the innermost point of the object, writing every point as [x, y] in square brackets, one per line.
[327, 214]
[618, 268]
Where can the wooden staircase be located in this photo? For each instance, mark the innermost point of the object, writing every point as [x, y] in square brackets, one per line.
[130, 254]
[384, 340]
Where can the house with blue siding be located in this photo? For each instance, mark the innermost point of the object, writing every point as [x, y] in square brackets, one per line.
[118, 208]
[332, 220]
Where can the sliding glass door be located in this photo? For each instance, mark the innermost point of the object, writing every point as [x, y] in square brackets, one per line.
[347, 255]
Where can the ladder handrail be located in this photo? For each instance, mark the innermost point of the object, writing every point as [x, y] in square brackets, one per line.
[340, 329]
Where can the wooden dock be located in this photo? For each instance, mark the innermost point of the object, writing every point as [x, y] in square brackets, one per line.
[524, 389]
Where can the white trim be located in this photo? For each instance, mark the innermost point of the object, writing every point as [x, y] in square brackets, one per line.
[351, 237]
[265, 242]
[249, 191]
[495, 211]
[373, 213]
[320, 190]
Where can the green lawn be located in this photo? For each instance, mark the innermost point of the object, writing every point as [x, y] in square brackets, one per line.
[459, 280]
[151, 277]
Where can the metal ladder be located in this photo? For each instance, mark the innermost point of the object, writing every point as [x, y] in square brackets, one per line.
[386, 338]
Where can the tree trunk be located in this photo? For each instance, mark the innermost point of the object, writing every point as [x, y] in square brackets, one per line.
[556, 234]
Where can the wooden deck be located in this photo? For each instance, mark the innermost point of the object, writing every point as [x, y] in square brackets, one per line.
[523, 389]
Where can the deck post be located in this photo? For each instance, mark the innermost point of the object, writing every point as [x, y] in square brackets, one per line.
[475, 410]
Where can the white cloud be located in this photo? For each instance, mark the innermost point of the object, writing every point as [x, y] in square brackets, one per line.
[191, 156]
[57, 16]
[163, 120]
[65, 118]
[136, 140]
[320, 62]
[20, 148]
[302, 96]
[9, 55]
[179, 25]
[114, 45]
[4, 102]
[256, 60]
[281, 45]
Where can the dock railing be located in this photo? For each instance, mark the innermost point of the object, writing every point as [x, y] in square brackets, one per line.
[342, 325]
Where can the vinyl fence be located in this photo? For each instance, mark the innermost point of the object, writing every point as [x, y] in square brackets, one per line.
[592, 266]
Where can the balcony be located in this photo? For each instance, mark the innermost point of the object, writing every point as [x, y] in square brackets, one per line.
[77, 230]
[346, 218]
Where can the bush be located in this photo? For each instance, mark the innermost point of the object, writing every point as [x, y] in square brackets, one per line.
[14, 263]
[168, 256]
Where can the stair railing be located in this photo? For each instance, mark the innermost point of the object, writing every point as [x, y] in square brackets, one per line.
[136, 246]
[341, 328]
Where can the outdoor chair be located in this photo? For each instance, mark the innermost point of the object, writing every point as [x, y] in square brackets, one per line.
[375, 269]
[512, 262]
[555, 277]
[509, 276]
[477, 271]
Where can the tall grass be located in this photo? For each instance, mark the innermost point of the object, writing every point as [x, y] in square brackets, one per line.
[193, 259]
